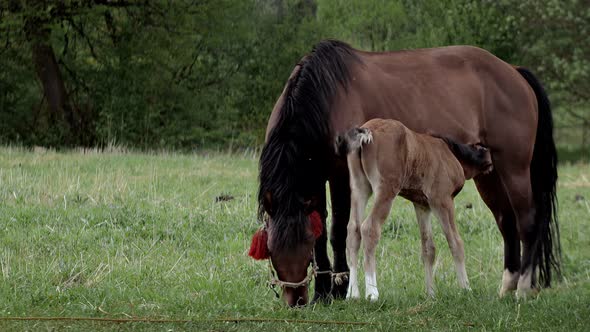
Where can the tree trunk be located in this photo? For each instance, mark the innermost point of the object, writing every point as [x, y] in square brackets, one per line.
[49, 74]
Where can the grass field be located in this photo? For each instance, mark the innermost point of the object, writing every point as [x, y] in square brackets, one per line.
[124, 235]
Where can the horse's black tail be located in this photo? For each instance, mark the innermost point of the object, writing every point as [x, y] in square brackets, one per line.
[352, 140]
[543, 179]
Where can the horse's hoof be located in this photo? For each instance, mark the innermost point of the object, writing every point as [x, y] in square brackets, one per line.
[526, 293]
[321, 298]
[339, 291]
[509, 282]
[505, 291]
[323, 284]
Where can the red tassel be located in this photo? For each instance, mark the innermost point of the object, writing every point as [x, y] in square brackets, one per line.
[259, 247]
[316, 224]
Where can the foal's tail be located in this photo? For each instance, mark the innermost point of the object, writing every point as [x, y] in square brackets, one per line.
[543, 179]
[353, 140]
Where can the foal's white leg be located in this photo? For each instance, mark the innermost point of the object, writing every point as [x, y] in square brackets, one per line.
[446, 215]
[371, 232]
[360, 192]
[428, 248]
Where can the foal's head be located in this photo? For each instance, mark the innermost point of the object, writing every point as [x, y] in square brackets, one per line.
[474, 158]
[481, 162]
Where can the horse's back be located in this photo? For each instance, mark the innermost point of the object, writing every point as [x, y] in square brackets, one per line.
[434, 60]
[463, 92]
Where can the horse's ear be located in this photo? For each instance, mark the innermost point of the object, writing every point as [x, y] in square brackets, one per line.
[267, 202]
[306, 206]
[310, 204]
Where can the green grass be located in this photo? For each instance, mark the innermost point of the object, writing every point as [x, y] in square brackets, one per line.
[140, 235]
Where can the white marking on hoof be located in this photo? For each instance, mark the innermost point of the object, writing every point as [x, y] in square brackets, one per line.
[353, 286]
[373, 297]
[509, 282]
[353, 293]
[371, 287]
[524, 289]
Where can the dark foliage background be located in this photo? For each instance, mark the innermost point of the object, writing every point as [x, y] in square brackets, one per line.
[206, 73]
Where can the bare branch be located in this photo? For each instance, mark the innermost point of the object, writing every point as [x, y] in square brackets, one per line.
[74, 76]
[64, 51]
[80, 30]
[185, 71]
[118, 3]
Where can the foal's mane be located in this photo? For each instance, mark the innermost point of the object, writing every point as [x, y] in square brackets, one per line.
[302, 131]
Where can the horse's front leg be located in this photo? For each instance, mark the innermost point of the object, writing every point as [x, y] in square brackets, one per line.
[323, 281]
[340, 197]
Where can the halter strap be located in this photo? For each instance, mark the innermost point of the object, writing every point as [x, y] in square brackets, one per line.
[281, 283]
[337, 278]
[275, 281]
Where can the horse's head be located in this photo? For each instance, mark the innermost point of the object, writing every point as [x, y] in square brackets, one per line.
[290, 201]
[288, 241]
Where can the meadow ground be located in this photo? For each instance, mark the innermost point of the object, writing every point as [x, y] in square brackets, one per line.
[122, 235]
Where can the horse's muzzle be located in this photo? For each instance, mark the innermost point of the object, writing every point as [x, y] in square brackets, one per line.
[296, 297]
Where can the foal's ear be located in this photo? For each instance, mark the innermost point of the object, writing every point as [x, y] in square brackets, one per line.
[481, 147]
[486, 156]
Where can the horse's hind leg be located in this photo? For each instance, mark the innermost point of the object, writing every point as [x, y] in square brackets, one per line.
[494, 195]
[371, 232]
[446, 214]
[519, 189]
[360, 193]
[428, 248]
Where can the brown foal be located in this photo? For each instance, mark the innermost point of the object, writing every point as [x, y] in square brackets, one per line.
[387, 158]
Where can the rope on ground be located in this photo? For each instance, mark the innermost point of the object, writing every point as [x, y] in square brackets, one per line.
[186, 321]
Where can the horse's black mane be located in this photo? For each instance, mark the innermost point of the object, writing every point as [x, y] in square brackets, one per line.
[293, 160]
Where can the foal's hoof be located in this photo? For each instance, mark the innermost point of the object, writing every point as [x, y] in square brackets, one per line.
[373, 297]
[353, 293]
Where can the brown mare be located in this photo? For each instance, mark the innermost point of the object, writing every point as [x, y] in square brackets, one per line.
[461, 92]
[387, 159]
